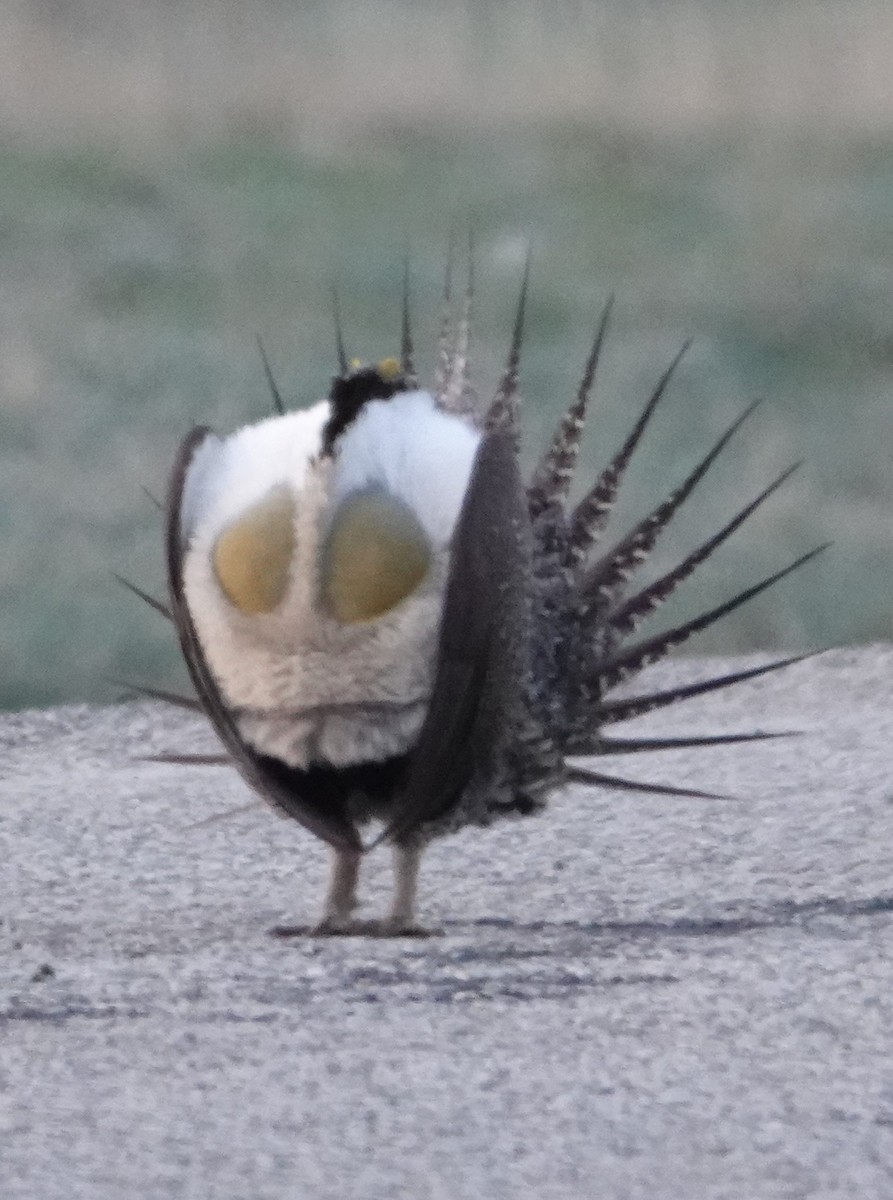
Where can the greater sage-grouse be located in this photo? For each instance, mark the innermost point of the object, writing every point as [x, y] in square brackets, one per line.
[383, 623]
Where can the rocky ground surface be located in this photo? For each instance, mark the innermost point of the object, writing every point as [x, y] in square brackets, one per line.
[628, 997]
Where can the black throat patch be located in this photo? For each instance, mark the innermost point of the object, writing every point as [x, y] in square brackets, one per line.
[354, 389]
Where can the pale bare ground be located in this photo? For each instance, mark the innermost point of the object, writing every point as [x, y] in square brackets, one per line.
[631, 997]
[152, 70]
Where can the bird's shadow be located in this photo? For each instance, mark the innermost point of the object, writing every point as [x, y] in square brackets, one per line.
[748, 918]
[779, 914]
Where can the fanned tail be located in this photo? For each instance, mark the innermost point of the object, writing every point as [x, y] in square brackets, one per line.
[591, 514]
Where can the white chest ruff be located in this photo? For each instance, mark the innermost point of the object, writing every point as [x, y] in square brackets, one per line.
[302, 686]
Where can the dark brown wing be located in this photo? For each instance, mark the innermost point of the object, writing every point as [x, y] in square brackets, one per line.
[477, 679]
[321, 811]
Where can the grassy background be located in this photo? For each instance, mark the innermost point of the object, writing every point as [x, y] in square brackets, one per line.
[177, 178]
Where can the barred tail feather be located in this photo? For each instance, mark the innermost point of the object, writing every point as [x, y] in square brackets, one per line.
[407, 350]
[444, 345]
[503, 411]
[552, 477]
[582, 775]
[615, 568]
[627, 617]
[172, 698]
[276, 395]
[645, 653]
[157, 605]
[456, 378]
[152, 498]
[608, 712]
[339, 333]
[591, 515]
[588, 744]
[190, 760]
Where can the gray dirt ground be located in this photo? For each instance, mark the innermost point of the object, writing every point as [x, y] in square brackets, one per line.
[630, 997]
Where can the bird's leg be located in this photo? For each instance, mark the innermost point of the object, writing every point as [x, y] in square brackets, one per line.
[400, 921]
[341, 898]
[407, 859]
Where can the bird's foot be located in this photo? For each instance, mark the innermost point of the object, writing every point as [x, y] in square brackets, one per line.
[382, 927]
[338, 926]
[401, 927]
[331, 925]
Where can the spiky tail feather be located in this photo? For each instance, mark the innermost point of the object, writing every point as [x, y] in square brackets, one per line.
[275, 394]
[628, 616]
[609, 712]
[153, 603]
[608, 746]
[174, 699]
[651, 650]
[601, 582]
[552, 478]
[618, 783]
[503, 413]
[591, 515]
[407, 348]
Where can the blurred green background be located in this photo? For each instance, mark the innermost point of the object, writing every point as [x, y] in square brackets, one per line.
[177, 178]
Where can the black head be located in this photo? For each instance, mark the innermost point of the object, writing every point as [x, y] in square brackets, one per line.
[356, 387]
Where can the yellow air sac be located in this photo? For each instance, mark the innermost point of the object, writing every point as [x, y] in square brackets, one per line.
[375, 556]
[252, 557]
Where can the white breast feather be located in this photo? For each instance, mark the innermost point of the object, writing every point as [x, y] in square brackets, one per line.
[418, 453]
[230, 474]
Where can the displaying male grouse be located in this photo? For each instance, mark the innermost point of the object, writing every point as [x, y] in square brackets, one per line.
[383, 623]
